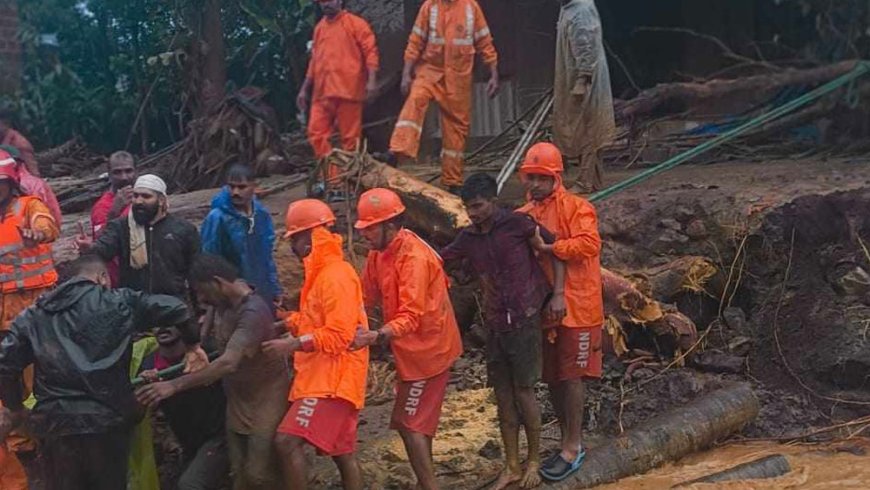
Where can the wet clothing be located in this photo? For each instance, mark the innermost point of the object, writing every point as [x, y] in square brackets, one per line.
[513, 357]
[172, 245]
[247, 242]
[574, 222]
[195, 416]
[35, 277]
[418, 404]
[87, 461]
[257, 392]
[327, 115]
[331, 309]
[328, 424]
[407, 280]
[443, 42]
[583, 120]
[25, 149]
[514, 285]
[572, 353]
[254, 461]
[82, 383]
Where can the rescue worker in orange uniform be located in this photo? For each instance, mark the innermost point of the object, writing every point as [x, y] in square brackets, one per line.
[27, 230]
[439, 60]
[572, 349]
[330, 382]
[405, 277]
[342, 73]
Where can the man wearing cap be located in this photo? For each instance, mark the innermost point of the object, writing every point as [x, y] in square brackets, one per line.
[155, 248]
[341, 76]
[32, 185]
[27, 230]
[572, 347]
[405, 277]
[330, 383]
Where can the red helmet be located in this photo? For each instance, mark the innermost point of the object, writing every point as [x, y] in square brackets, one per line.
[376, 206]
[306, 214]
[543, 158]
[9, 168]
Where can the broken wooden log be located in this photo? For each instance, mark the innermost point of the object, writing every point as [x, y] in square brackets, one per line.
[669, 437]
[433, 212]
[767, 467]
[688, 274]
[681, 97]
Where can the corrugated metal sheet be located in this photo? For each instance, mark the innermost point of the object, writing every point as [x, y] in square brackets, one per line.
[488, 116]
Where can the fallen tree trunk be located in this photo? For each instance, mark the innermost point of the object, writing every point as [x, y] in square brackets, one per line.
[679, 97]
[767, 467]
[668, 437]
[434, 212]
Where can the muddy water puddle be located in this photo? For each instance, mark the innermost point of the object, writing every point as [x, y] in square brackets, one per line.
[843, 464]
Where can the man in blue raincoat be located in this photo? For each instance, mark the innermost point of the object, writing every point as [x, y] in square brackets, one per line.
[240, 229]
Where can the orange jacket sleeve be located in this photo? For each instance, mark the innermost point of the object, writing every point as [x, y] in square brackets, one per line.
[413, 281]
[40, 219]
[294, 321]
[483, 38]
[341, 318]
[371, 291]
[419, 35]
[584, 240]
[367, 43]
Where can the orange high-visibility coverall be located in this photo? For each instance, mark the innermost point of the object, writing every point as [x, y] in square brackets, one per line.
[344, 49]
[407, 280]
[443, 42]
[330, 311]
[573, 220]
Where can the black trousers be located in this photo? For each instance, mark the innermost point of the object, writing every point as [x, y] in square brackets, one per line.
[86, 461]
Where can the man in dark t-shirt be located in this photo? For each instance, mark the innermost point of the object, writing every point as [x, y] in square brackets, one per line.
[256, 383]
[517, 302]
[196, 417]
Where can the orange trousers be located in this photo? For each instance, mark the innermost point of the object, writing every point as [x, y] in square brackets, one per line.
[455, 123]
[327, 115]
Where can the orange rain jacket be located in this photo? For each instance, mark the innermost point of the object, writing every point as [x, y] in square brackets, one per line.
[344, 47]
[330, 311]
[408, 281]
[25, 272]
[572, 219]
[445, 37]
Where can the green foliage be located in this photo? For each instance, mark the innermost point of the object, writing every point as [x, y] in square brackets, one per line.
[109, 55]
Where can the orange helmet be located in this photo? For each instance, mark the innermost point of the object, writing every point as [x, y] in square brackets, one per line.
[376, 206]
[9, 168]
[306, 214]
[543, 158]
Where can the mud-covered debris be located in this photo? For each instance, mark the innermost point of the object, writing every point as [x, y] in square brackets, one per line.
[716, 361]
[696, 230]
[491, 450]
[735, 318]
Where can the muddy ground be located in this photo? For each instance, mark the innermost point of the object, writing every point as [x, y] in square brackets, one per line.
[788, 238]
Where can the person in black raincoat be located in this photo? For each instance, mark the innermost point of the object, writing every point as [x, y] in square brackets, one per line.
[79, 338]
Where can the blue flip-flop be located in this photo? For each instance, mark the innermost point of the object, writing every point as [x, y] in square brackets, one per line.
[559, 469]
